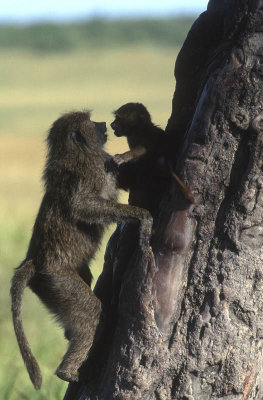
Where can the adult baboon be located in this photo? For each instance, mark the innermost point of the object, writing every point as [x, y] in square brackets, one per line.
[80, 200]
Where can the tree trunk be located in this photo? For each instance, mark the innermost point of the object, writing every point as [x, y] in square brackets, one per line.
[190, 325]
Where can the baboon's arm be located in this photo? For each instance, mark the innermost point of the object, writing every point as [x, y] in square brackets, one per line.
[130, 155]
[101, 211]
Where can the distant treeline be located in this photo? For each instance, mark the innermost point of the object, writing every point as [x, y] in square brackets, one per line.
[95, 33]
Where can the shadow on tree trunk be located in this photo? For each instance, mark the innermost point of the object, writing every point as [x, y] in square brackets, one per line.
[190, 325]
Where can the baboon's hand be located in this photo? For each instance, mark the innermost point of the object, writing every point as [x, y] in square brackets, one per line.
[144, 244]
[145, 233]
[148, 256]
[118, 159]
[111, 166]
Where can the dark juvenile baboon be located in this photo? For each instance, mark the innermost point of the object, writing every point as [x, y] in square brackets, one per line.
[79, 201]
[134, 121]
[144, 138]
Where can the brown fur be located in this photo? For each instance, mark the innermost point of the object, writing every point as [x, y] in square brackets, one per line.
[79, 201]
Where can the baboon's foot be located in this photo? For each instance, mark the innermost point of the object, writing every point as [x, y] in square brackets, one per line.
[67, 374]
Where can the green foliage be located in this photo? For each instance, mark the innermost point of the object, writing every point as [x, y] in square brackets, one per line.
[95, 33]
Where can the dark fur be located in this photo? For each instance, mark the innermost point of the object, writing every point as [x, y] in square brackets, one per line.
[144, 138]
[134, 121]
[80, 200]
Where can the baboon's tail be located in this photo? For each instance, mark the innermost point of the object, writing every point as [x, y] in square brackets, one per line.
[184, 188]
[20, 280]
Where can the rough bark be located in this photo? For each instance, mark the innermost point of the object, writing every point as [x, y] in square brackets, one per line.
[191, 326]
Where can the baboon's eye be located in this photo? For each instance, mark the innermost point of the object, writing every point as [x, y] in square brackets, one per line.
[78, 138]
[121, 121]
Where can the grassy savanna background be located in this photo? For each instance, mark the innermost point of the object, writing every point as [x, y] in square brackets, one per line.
[36, 86]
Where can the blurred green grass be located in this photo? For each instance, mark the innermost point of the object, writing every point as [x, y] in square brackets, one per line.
[34, 90]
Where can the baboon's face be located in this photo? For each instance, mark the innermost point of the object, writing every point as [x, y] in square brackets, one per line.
[128, 117]
[119, 125]
[125, 120]
[88, 135]
[101, 129]
[76, 132]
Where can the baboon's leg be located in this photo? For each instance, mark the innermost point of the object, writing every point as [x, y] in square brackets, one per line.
[79, 311]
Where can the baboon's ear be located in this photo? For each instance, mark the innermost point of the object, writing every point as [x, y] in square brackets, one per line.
[133, 116]
[145, 117]
[78, 139]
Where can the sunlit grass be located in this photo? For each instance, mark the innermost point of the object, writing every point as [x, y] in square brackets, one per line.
[34, 90]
